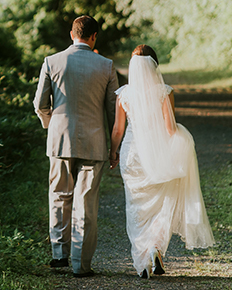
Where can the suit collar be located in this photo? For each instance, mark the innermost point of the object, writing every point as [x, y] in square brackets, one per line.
[78, 41]
[81, 46]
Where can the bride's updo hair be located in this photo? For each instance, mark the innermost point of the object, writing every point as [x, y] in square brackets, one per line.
[145, 50]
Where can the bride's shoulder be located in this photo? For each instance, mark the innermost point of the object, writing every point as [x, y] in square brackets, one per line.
[119, 90]
[123, 93]
[123, 97]
[169, 89]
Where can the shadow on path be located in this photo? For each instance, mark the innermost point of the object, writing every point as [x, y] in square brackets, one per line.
[209, 119]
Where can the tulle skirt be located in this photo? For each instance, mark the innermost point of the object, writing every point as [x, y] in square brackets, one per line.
[155, 211]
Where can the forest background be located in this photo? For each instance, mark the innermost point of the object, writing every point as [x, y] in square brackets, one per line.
[187, 36]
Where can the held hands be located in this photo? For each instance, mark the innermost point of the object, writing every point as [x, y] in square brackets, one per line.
[114, 160]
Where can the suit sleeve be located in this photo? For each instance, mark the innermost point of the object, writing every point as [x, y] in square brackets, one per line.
[110, 99]
[42, 100]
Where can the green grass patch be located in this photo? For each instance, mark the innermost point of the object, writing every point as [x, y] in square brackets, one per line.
[183, 74]
[217, 191]
[201, 77]
[25, 250]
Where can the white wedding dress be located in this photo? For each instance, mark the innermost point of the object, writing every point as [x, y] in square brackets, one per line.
[163, 202]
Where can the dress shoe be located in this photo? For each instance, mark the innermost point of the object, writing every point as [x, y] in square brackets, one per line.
[58, 263]
[157, 263]
[82, 275]
[146, 273]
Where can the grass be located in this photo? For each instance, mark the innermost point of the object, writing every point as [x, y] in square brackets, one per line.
[217, 191]
[197, 78]
[176, 74]
[25, 250]
[24, 246]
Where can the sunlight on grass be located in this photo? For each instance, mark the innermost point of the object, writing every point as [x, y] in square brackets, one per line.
[196, 76]
[216, 188]
[184, 74]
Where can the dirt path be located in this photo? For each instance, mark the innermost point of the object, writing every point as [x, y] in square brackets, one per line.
[209, 118]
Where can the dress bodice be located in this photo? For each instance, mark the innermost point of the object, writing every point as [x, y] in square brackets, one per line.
[125, 101]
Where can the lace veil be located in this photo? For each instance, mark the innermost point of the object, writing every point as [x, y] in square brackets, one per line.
[163, 156]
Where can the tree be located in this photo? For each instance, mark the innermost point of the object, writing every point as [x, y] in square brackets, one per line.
[41, 27]
[193, 32]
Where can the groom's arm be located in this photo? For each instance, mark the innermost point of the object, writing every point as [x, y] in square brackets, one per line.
[42, 101]
[110, 98]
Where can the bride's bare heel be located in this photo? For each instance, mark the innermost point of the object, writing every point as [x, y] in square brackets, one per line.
[157, 263]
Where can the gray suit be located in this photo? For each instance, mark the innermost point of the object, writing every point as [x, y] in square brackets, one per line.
[76, 87]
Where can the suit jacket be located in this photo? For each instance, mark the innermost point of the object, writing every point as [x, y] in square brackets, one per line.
[76, 87]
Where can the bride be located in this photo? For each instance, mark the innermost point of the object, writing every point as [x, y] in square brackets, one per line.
[159, 168]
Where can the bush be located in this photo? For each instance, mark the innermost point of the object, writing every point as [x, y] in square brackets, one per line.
[20, 130]
[19, 254]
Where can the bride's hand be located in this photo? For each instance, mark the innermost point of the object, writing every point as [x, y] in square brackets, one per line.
[114, 160]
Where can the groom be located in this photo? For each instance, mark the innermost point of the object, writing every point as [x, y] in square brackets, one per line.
[75, 90]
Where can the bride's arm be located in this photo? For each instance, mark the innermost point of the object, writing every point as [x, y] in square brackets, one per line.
[172, 101]
[169, 113]
[117, 133]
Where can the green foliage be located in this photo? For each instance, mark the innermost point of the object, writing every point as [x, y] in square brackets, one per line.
[24, 246]
[10, 53]
[19, 254]
[204, 35]
[25, 196]
[19, 127]
[196, 33]
[111, 21]
[41, 27]
[14, 281]
[15, 90]
[193, 33]
[151, 22]
[29, 22]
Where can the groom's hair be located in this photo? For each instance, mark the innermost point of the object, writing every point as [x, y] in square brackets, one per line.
[145, 50]
[84, 26]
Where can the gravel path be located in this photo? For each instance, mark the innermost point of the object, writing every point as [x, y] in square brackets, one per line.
[202, 114]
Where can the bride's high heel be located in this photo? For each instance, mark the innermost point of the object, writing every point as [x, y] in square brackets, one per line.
[146, 273]
[157, 263]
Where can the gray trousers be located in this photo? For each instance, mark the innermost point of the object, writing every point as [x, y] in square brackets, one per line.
[73, 208]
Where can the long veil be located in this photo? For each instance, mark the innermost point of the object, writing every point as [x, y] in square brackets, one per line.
[163, 156]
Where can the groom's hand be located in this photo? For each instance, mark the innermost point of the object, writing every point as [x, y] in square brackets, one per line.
[114, 160]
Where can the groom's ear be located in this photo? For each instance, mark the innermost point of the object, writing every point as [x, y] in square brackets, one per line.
[94, 36]
[71, 35]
